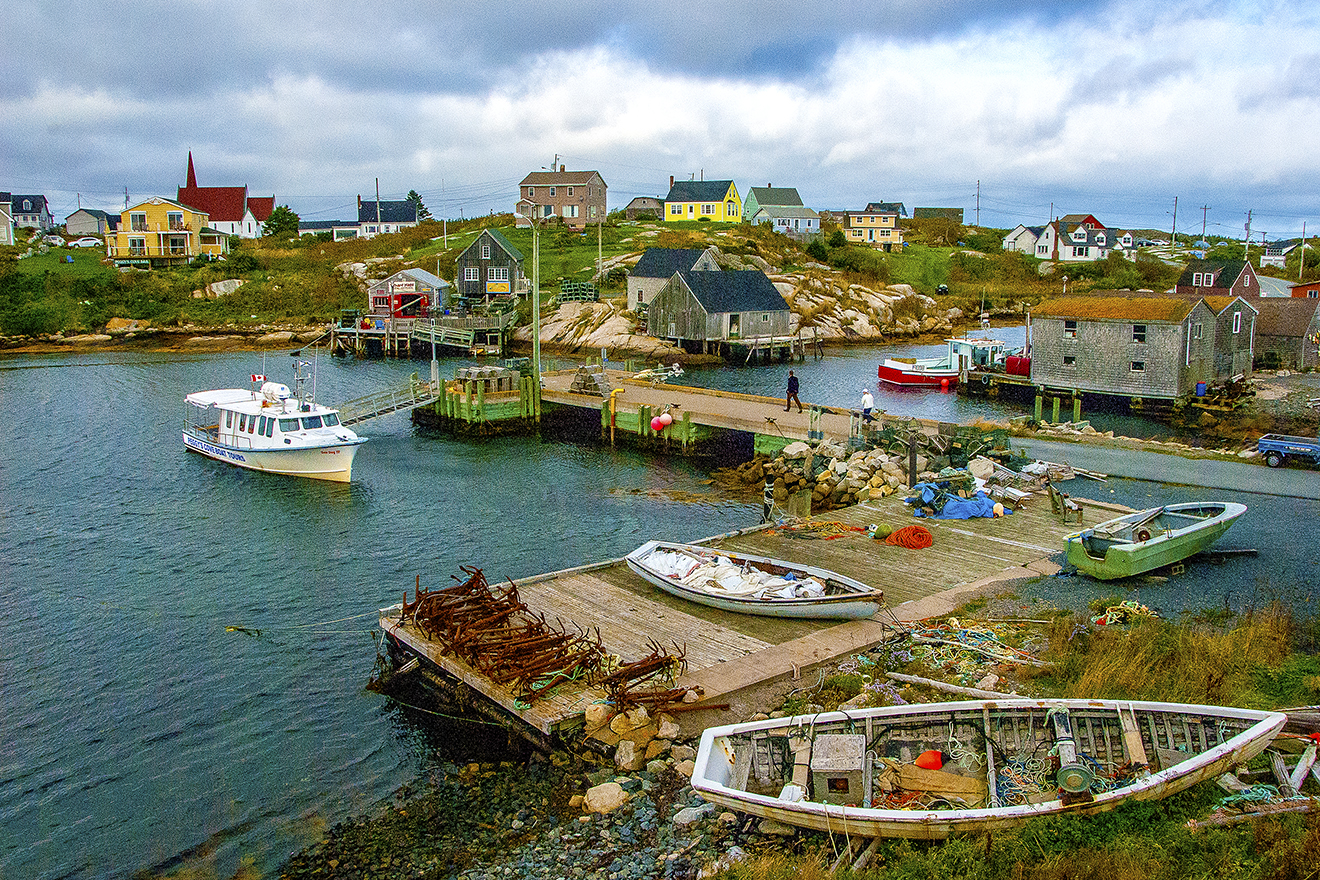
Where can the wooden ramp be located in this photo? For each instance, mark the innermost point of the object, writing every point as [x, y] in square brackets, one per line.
[733, 657]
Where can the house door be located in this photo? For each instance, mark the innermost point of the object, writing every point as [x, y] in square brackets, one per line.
[673, 330]
[733, 326]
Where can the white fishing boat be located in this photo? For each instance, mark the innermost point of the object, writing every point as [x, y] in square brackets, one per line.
[269, 428]
[1148, 539]
[934, 770]
[752, 584]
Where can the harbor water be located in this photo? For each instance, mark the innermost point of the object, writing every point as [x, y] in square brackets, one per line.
[187, 643]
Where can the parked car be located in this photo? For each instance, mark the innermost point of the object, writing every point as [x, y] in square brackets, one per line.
[54, 240]
[86, 241]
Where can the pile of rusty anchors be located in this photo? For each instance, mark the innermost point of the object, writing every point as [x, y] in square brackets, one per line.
[495, 633]
[657, 666]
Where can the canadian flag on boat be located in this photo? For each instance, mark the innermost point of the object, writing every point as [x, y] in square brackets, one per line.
[257, 377]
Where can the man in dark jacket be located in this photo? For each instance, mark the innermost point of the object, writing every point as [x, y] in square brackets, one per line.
[792, 393]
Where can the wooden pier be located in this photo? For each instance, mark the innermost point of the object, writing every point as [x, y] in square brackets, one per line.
[745, 663]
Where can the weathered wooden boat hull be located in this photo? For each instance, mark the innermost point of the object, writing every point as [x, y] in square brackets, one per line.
[332, 463]
[1224, 737]
[862, 602]
[1160, 550]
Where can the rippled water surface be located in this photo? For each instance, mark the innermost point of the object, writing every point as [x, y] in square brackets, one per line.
[187, 643]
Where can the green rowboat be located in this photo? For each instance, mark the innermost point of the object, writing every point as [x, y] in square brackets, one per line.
[1149, 539]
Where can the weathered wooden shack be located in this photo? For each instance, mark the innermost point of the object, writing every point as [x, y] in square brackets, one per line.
[490, 266]
[658, 265]
[707, 311]
[1235, 332]
[1287, 334]
[1138, 347]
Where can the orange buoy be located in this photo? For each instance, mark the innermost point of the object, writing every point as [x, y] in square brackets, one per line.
[930, 760]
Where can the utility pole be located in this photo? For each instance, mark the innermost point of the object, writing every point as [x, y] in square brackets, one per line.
[1205, 209]
[1302, 265]
[1246, 241]
[378, 203]
[978, 203]
[1174, 242]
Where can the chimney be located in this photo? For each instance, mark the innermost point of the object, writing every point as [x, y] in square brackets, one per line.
[561, 169]
[671, 181]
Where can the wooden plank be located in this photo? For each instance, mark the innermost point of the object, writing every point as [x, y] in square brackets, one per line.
[1298, 775]
[991, 778]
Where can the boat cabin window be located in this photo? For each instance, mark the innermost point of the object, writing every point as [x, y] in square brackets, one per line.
[261, 428]
[311, 422]
[242, 422]
[287, 425]
[331, 420]
[229, 418]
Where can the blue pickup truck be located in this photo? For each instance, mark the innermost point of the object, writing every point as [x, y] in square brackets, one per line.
[1277, 447]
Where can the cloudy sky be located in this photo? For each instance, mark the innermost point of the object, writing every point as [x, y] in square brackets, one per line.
[1113, 108]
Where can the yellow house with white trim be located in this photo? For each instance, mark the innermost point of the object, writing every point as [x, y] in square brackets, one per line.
[875, 227]
[714, 200]
[162, 232]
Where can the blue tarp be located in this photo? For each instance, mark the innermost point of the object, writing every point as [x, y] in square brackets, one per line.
[952, 506]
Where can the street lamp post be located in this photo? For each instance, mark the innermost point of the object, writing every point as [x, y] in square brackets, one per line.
[536, 300]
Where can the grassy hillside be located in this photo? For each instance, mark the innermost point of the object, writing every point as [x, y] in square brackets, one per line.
[300, 281]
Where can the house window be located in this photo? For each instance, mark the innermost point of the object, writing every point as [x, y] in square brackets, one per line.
[570, 210]
[1070, 360]
[552, 191]
[485, 252]
[1196, 331]
[1069, 329]
[765, 319]
[27, 204]
[1138, 332]
[1237, 322]
[1312, 294]
[471, 273]
[708, 209]
[137, 246]
[137, 222]
[497, 273]
[1196, 279]
[531, 191]
[676, 210]
[730, 209]
[175, 219]
[1138, 366]
[570, 190]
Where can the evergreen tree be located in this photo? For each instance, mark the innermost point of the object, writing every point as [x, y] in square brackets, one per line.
[416, 198]
[281, 222]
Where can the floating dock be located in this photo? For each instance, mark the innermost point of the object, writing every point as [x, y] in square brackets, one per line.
[742, 662]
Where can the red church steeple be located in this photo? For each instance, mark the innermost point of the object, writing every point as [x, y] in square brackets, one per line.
[192, 175]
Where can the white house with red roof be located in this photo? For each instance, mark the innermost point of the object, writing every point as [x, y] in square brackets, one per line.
[232, 210]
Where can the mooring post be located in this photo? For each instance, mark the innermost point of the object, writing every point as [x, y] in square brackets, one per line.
[1054, 419]
[1039, 403]
[1077, 405]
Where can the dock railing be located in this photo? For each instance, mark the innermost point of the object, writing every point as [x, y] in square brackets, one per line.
[416, 393]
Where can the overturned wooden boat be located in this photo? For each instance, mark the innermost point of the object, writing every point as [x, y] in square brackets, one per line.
[1150, 539]
[933, 770]
[753, 584]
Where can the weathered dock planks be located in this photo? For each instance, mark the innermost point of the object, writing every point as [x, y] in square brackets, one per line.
[734, 656]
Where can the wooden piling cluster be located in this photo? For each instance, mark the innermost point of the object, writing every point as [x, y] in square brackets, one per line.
[484, 405]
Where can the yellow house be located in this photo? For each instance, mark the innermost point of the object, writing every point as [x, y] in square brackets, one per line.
[875, 227]
[713, 200]
[163, 232]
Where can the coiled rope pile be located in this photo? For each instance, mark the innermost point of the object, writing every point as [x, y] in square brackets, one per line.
[911, 537]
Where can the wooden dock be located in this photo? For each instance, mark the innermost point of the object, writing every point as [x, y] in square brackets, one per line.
[746, 662]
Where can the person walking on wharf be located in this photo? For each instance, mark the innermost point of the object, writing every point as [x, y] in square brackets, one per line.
[792, 393]
[867, 403]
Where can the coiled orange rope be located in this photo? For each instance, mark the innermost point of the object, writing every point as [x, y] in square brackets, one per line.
[912, 537]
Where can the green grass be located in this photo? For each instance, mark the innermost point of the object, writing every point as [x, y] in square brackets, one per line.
[86, 263]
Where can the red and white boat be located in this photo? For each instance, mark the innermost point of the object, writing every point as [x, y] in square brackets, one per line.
[942, 372]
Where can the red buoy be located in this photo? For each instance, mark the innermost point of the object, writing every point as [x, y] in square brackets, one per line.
[931, 760]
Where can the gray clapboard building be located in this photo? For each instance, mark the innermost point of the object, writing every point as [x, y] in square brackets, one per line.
[1156, 347]
[658, 265]
[490, 266]
[707, 311]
